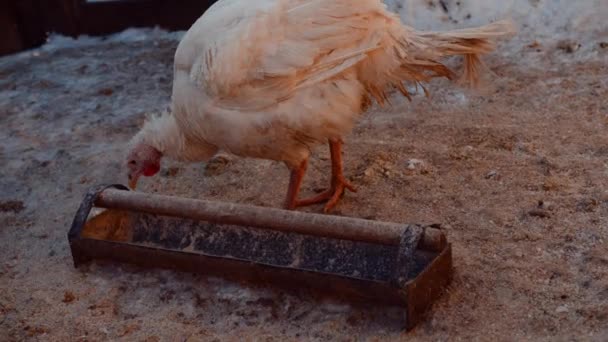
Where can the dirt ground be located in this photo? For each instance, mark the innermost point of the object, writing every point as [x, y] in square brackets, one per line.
[517, 176]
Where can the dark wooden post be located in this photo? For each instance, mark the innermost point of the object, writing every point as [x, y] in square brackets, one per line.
[25, 24]
[10, 38]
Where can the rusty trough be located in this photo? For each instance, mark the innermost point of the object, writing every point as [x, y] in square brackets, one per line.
[379, 263]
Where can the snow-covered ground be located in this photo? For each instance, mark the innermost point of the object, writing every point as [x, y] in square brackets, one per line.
[518, 178]
[540, 20]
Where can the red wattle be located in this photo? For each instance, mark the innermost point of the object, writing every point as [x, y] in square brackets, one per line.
[151, 170]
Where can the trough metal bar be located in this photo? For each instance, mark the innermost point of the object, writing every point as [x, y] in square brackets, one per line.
[330, 226]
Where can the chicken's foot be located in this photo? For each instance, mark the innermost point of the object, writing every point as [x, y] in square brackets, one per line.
[338, 182]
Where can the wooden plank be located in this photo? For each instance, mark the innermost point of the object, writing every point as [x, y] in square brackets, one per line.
[10, 38]
[24, 24]
[100, 18]
[61, 16]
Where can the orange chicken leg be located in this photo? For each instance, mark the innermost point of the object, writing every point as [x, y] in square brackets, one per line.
[331, 195]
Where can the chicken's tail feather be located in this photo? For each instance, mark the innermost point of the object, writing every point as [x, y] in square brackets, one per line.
[469, 43]
[408, 56]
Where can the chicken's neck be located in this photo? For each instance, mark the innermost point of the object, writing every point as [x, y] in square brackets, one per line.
[164, 134]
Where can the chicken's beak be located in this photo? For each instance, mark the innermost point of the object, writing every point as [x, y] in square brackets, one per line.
[133, 181]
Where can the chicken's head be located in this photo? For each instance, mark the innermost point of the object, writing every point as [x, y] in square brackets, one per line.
[142, 160]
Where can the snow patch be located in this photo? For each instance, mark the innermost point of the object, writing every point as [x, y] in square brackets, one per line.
[58, 41]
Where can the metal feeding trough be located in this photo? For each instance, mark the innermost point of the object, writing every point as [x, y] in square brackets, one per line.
[368, 261]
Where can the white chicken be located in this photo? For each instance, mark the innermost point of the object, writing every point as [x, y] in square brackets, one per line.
[271, 79]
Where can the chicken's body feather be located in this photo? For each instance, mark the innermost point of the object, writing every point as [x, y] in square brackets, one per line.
[271, 78]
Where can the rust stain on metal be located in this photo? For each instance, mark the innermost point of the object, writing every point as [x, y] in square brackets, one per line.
[113, 225]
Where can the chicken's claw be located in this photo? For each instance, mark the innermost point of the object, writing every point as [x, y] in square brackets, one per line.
[331, 195]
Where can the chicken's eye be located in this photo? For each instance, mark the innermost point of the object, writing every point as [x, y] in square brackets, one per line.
[132, 162]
